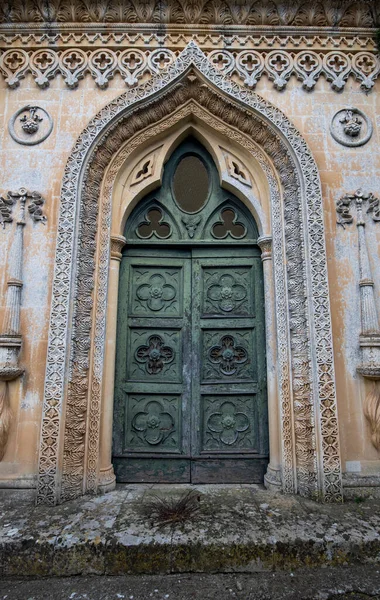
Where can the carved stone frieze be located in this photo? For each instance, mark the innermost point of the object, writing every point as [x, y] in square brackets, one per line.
[226, 12]
[304, 242]
[134, 64]
[176, 37]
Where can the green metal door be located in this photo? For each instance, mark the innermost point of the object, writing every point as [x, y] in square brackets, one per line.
[190, 395]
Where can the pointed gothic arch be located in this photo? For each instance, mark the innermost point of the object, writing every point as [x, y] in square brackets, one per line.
[69, 462]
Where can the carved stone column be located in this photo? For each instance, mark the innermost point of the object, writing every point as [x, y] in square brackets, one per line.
[272, 477]
[106, 475]
[11, 338]
[369, 339]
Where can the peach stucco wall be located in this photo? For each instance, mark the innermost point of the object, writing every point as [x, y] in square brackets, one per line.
[41, 167]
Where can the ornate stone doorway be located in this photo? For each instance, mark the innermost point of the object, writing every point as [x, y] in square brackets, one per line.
[190, 396]
[285, 199]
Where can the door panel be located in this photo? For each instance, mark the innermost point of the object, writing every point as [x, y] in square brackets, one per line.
[228, 391]
[229, 423]
[190, 377]
[152, 393]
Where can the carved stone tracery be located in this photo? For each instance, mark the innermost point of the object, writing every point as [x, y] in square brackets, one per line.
[258, 120]
[246, 66]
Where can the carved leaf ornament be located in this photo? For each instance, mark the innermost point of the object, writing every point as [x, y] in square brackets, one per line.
[270, 13]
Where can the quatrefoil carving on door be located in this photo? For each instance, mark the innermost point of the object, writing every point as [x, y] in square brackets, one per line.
[228, 225]
[154, 225]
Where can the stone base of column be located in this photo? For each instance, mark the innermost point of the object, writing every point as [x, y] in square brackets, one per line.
[107, 480]
[272, 479]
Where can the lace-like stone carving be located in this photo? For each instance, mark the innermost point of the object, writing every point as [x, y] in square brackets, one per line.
[132, 64]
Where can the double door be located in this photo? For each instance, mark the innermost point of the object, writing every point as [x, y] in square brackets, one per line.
[190, 397]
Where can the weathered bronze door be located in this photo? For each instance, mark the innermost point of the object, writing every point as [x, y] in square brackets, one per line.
[190, 397]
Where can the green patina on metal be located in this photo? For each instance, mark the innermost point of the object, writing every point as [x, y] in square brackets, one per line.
[190, 398]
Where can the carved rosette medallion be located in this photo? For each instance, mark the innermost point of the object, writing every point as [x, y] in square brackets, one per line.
[351, 127]
[155, 355]
[30, 125]
[228, 355]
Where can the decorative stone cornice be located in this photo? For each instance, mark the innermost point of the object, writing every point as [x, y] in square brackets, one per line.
[273, 13]
[245, 66]
[176, 37]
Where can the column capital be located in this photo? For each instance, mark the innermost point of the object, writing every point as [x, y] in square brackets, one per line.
[265, 244]
[117, 244]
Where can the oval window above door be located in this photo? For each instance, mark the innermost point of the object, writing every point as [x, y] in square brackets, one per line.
[191, 184]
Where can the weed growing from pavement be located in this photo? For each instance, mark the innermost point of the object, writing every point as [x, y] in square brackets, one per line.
[172, 511]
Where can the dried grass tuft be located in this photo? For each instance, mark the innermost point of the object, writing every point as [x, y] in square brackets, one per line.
[171, 511]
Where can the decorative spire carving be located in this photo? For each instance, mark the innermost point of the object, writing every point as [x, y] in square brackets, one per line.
[11, 338]
[369, 338]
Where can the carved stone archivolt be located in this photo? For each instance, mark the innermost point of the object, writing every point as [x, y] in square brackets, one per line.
[247, 66]
[255, 119]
